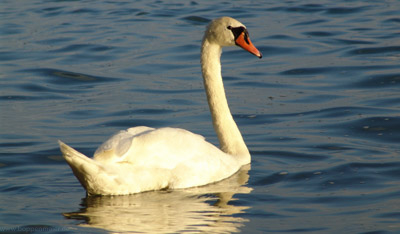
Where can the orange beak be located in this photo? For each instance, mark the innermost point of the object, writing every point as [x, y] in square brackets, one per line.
[243, 41]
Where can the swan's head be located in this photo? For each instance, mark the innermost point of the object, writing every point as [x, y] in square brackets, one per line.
[227, 31]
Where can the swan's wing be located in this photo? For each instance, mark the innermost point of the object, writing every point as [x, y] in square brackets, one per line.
[189, 159]
[154, 148]
[163, 147]
[116, 147]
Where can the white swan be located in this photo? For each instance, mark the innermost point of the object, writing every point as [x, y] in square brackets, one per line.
[142, 159]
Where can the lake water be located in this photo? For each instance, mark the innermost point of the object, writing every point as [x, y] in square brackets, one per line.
[320, 113]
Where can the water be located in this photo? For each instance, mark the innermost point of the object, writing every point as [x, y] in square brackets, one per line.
[319, 113]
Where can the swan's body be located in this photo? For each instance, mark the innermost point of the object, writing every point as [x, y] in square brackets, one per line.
[142, 159]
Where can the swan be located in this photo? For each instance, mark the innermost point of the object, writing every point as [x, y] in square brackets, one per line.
[142, 159]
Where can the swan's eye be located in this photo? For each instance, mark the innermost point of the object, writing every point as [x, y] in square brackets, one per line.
[238, 31]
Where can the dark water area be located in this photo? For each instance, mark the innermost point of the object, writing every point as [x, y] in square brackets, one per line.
[320, 113]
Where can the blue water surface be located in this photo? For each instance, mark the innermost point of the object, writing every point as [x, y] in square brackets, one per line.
[320, 113]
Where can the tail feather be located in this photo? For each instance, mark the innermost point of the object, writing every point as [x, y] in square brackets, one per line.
[82, 166]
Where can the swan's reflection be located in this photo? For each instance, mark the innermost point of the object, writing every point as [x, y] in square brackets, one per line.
[197, 209]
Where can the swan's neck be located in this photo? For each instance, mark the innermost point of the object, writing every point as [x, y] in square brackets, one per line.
[230, 139]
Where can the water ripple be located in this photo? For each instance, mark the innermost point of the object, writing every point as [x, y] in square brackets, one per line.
[375, 50]
[379, 81]
[346, 10]
[196, 20]
[67, 77]
[334, 69]
[385, 129]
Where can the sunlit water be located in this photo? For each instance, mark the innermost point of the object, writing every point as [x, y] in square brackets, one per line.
[320, 113]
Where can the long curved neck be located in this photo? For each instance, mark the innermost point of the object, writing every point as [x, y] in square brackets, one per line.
[230, 139]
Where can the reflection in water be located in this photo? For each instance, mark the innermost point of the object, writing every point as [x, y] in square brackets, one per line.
[194, 209]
